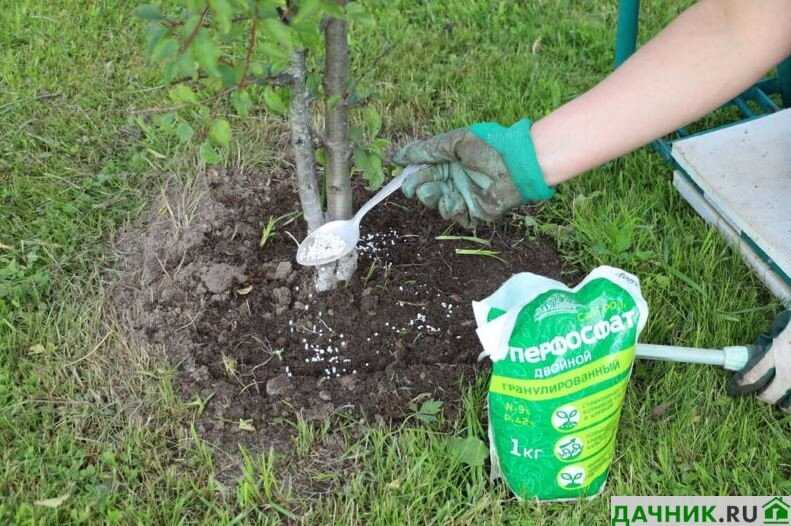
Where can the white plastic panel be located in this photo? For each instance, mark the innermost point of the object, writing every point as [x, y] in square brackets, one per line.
[745, 174]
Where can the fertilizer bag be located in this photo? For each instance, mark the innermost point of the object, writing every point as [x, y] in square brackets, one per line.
[561, 360]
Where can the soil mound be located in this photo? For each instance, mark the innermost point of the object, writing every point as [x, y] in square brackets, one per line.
[248, 333]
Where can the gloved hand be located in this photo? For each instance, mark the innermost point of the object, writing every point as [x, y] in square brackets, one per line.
[768, 372]
[476, 173]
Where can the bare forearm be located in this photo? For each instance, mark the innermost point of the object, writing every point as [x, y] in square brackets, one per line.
[708, 55]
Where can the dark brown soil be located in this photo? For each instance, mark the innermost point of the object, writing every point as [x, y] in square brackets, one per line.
[247, 333]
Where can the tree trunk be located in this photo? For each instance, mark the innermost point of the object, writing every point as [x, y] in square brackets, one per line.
[336, 126]
[336, 132]
[304, 156]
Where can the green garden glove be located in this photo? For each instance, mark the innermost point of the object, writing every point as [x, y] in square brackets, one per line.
[768, 372]
[476, 173]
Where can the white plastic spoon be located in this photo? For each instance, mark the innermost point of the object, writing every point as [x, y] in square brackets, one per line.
[333, 240]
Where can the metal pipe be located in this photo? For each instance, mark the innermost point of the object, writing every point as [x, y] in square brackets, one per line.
[730, 358]
[669, 353]
[743, 107]
[784, 79]
[626, 36]
[760, 97]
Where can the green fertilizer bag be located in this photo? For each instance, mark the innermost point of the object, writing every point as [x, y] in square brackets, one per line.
[561, 360]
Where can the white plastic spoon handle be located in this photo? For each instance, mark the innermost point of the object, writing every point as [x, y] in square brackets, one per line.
[385, 191]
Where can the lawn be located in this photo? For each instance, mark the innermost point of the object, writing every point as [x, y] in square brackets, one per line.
[81, 154]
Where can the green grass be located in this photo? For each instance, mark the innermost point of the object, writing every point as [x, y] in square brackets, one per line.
[79, 154]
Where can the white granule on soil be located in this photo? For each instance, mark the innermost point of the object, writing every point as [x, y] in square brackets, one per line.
[326, 350]
[324, 246]
[377, 245]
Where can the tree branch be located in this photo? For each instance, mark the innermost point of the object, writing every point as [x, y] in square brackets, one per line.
[279, 80]
[194, 33]
[248, 56]
[299, 120]
[172, 24]
[336, 125]
[336, 130]
[304, 155]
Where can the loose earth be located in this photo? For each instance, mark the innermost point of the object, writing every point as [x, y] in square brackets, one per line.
[250, 337]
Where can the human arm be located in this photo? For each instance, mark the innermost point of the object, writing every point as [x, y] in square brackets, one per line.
[709, 54]
[706, 56]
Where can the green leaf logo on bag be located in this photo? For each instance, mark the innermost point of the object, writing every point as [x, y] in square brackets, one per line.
[561, 363]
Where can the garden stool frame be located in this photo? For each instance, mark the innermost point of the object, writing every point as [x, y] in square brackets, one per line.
[777, 280]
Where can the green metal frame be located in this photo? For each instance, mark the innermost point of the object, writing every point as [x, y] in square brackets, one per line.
[626, 43]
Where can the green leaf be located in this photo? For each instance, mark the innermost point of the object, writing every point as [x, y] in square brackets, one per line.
[165, 49]
[206, 53]
[471, 450]
[230, 76]
[374, 175]
[148, 12]
[275, 52]
[356, 135]
[186, 66]
[166, 120]
[269, 8]
[622, 237]
[355, 12]
[182, 94]
[360, 158]
[184, 132]
[373, 121]
[309, 37]
[429, 410]
[280, 32]
[379, 145]
[239, 31]
[154, 35]
[308, 14]
[223, 13]
[306, 24]
[190, 25]
[194, 5]
[208, 154]
[331, 8]
[321, 156]
[431, 407]
[241, 102]
[169, 72]
[274, 102]
[220, 132]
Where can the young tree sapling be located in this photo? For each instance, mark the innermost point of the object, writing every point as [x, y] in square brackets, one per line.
[251, 51]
